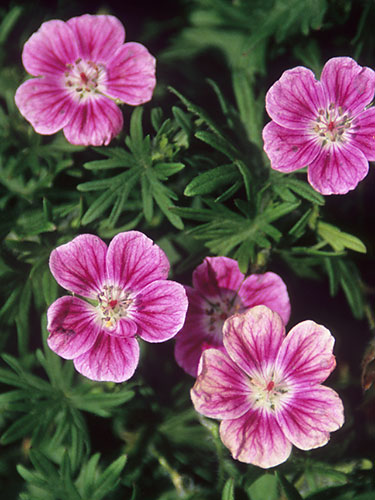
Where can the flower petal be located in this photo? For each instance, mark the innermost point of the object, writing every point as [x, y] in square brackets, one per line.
[221, 389]
[347, 84]
[338, 169]
[309, 418]
[160, 310]
[288, 149]
[50, 49]
[96, 121]
[295, 99]
[131, 74]
[110, 359]
[98, 37]
[133, 261]
[45, 104]
[216, 273]
[256, 438]
[266, 289]
[363, 135]
[253, 339]
[305, 356]
[73, 327]
[79, 266]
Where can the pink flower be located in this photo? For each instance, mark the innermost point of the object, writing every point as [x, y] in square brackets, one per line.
[127, 294]
[84, 69]
[325, 125]
[220, 290]
[266, 388]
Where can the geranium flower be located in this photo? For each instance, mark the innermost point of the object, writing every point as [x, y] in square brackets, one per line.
[266, 388]
[220, 290]
[128, 295]
[85, 69]
[325, 125]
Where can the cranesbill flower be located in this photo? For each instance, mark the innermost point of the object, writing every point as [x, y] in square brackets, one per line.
[220, 290]
[266, 387]
[128, 296]
[84, 70]
[325, 125]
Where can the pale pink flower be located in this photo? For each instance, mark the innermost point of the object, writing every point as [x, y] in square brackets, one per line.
[85, 69]
[266, 387]
[325, 125]
[128, 296]
[220, 290]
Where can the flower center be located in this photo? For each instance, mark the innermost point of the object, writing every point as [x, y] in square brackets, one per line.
[217, 312]
[84, 78]
[331, 124]
[268, 394]
[113, 304]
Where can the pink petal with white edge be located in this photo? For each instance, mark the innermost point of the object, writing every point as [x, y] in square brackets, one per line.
[338, 169]
[131, 74]
[363, 134]
[221, 390]
[79, 266]
[256, 438]
[288, 149]
[45, 104]
[73, 327]
[134, 260]
[160, 310]
[217, 273]
[266, 289]
[295, 99]
[347, 84]
[50, 49]
[98, 37]
[305, 356]
[96, 122]
[310, 416]
[110, 359]
[253, 339]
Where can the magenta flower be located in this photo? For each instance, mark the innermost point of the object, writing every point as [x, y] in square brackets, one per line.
[84, 70]
[325, 125]
[127, 294]
[266, 388]
[220, 290]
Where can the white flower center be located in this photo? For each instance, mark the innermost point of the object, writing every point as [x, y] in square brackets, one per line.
[217, 312]
[85, 78]
[331, 124]
[113, 304]
[268, 393]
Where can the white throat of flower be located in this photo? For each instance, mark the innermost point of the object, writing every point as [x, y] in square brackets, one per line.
[113, 304]
[331, 125]
[85, 78]
[268, 393]
[217, 312]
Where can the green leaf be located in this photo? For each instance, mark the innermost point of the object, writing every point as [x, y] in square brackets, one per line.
[212, 179]
[228, 490]
[290, 491]
[109, 478]
[351, 284]
[245, 172]
[265, 487]
[218, 142]
[339, 240]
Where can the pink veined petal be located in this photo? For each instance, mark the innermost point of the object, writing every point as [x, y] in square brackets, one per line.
[45, 104]
[160, 310]
[50, 49]
[190, 340]
[338, 169]
[363, 134]
[79, 266]
[253, 339]
[347, 84]
[295, 99]
[131, 74]
[126, 327]
[96, 122]
[266, 289]
[134, 260]
[305, 356]
[310, 416]
[288, 149]
[98, 37]
[221, 389]
[217, 273]
[73, 327]
[256, 438]
[110, 359]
